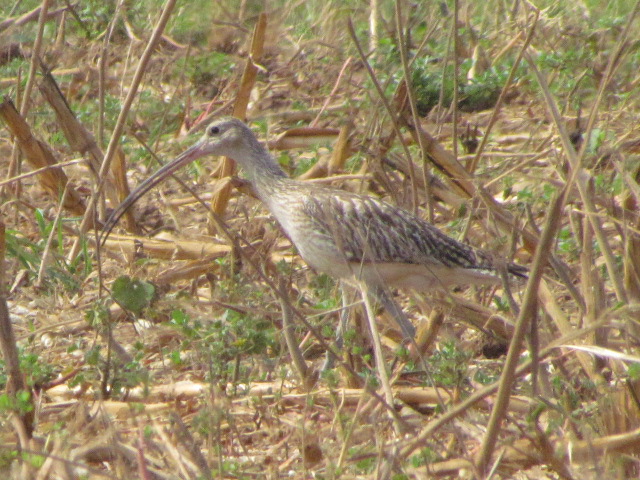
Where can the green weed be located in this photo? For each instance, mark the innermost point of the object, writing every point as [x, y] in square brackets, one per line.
[35, 371]
[449, 366]
[223, 342]
[133, 294]
[29, 253]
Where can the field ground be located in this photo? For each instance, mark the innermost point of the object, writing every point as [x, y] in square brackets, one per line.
[161, 354]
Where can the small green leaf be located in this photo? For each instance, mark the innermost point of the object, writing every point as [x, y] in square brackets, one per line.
[133, 294]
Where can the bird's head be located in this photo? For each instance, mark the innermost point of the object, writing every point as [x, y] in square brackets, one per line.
[225, 136]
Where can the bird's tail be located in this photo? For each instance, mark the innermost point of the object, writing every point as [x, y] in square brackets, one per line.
[490, 262]
[518, 271]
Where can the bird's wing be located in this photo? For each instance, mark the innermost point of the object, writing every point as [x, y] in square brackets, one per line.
[368, 230]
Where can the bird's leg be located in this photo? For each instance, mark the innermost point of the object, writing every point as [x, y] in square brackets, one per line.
[342, 327]
[383, 296]
[344, 316]
[407, 328]
[381, 365]
[288, 330]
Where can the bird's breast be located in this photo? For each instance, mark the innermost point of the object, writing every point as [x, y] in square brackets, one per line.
[315, 246]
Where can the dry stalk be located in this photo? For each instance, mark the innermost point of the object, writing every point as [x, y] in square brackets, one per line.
[348, 433]
[288, 330]
[434, 186]
[143, 472]
[410, 94]
[325, 104]
[3, 256]
[390, 111]
[186, 439]
[455, 40]
[632, 240]
[308, 115]
[496, 109]
[427, 333]
[31, 16]
[558, 453]
[132, 246]
[303, 137]
[227, 168]
[53, 462]
[82, 141]
[102, 74]
[35, 55]
[593, 287]
[78, 137]
[527, 313]
[114, 142]
[44, 263]
[342, 148]
[38, 171]
[374, 14]
[190, 270]
[399, 425]
[40, 156]
[23, 421]
[472, 313]
[419, 440]
[561, 321]
[159, 398]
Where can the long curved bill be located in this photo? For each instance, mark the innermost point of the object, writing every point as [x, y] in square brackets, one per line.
[192, 153]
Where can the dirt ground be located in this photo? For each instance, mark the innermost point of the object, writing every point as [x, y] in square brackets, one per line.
[160, 354]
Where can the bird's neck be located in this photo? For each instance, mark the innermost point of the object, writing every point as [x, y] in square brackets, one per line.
[262, 170]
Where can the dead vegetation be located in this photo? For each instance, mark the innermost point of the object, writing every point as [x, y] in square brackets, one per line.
[161, 353]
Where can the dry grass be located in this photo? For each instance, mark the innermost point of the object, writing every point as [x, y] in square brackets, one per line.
[198, 381]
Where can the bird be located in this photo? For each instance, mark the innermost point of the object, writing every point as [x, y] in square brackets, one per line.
[352, 237]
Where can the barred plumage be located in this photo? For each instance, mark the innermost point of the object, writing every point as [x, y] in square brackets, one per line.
[346, 235]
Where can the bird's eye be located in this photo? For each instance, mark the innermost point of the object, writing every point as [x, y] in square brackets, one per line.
[214, 131]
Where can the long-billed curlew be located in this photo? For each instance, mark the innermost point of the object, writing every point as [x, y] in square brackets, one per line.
[346, 235]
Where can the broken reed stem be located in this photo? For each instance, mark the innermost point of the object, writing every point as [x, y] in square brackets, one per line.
[221, 199]
[39, 155]
[78, 137]
[114, 142]
[3, 254]
[456, 80]
[632, 240]
[30, 16]
[591, 284]
[341, 149]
